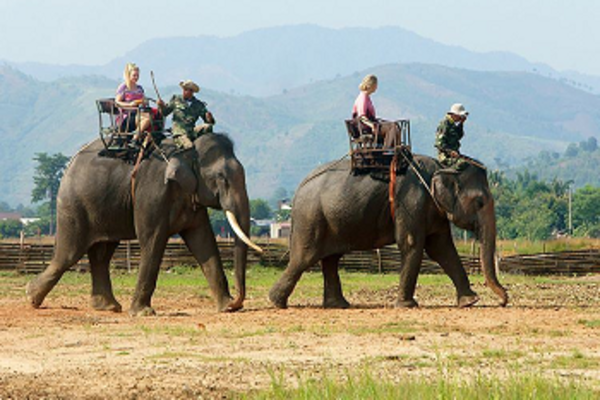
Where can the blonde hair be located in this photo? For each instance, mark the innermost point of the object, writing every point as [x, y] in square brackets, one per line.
[368, 83]
[129, 68]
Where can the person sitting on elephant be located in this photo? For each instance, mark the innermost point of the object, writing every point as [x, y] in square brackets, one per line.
[449, 133]
[363, 108]
[128, 98]
[364, 111]
[187, 109]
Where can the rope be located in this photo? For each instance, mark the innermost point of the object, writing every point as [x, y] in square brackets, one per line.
[423, 182]
[472, 161]
[392, 184]
[137, 166]
[147, 140]
[160, 151]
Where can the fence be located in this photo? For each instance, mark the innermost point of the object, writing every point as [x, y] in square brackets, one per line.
[35, 257]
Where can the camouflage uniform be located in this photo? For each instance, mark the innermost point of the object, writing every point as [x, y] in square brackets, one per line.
[185, 115]
[447, 139]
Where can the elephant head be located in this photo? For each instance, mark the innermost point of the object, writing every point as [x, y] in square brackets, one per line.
[215, 178]
[466, 199]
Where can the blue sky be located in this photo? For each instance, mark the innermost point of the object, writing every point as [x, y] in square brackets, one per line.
[560, 33]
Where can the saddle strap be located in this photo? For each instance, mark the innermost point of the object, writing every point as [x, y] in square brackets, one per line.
[392, 185]
[136, 167]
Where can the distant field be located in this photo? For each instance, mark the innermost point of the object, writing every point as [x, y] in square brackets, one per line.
[465, 247]
[545, 344]
[522, 246]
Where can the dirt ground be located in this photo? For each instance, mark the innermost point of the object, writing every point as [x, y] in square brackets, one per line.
[67, 350]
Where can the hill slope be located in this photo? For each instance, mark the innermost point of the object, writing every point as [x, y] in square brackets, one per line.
[279, 139]
[579, 164]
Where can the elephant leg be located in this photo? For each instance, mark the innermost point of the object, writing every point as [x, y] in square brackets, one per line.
[300, 261]
[65, 256]
[202, 244]
[411, 258]
[103, 298]
[152, 250]
[441, 249]
[333, 296]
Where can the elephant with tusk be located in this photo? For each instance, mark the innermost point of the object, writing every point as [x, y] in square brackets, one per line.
[97, 207]
[336, 211]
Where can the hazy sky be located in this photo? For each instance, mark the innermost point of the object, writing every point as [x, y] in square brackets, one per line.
[563, 34]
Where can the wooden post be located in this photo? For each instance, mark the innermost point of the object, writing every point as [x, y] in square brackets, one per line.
[497, 264]
[21, 262]
[379, 264]
[129, 256]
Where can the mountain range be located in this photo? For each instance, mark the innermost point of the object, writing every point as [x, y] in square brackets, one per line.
[304, 80]
[279, 139]
[268, 61]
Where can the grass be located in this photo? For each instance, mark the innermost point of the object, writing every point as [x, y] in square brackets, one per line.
[173, 355]
[415, 373]
[575, 360]
[594, 323]
[440, 387]
[172, 330]
[502, 354]
[399, 327]
[523, 246]
[190, 280]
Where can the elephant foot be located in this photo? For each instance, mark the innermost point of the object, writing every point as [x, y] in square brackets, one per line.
[33, 294]
[278, 300]
[142, 311]
[233, 307]
[467, 301]
[225, 303]
[104, 303]
[336, 303]
[411, 303]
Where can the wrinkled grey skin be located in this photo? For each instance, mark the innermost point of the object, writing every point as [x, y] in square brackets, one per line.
[335, 212]
[95, 212]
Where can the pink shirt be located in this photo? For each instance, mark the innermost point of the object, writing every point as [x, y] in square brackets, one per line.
[363, 106]
[130, 95]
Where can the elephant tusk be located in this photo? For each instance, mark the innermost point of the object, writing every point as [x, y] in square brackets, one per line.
[239, 232]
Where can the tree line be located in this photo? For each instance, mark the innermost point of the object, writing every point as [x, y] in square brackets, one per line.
[578, 163]
[48, 173]
[526, 206]
[531, 208]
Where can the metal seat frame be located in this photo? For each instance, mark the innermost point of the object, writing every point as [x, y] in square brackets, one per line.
[366, 152]
[112, 136]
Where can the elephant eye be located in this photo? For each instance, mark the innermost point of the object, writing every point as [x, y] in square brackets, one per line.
[222, 180]
[479, 202]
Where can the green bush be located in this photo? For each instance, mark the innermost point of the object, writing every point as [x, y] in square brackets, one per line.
[10, 228]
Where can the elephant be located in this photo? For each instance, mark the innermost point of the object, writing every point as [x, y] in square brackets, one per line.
[336, 211]
[99, 204]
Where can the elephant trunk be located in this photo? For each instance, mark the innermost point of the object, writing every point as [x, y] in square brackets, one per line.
[487, 236]
[240, 223]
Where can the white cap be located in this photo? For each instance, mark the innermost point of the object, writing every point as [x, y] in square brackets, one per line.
[458, 109]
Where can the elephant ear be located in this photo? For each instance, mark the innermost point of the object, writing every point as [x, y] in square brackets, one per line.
[180, 172]
[445, 188]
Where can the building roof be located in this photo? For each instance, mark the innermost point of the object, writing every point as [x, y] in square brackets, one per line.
[7, 215]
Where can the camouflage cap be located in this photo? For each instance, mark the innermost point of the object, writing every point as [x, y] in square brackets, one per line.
[188, 84]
